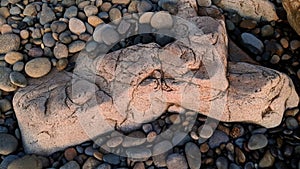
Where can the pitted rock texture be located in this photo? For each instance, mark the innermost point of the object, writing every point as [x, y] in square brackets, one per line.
[292, 8]
[137, 84]
[255, 9]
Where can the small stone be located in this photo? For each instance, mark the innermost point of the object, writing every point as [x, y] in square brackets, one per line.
[13, 57]
[115, 14]
[132, 7]
[28, 161]
[298, 73]
[35, 52]
[7, 160]
[267, 160]
[18, 67]
[123, 26]
[114, 141]
[257, 141]
[9, 42]
[65, 37]
[161, 20]
[205, 131]
[133, 139]
[230, 25]
[267, 30]
[248, 24]
[98, 155]
[18, 79]
[5, 105]
[70, 154]
[272, 47]
[144, 6]
[99, 3]
[103, 15]
[193, 155]
[286, 57]
[294, 44]
[70, 165]
[30, 10]
[5, 83]
[8, 144]
[176, 161]
[5, 29]
[71, 12]
[60, 51]
[94, 21]
[58, 26]
[14, 1]
[275, 59]
[284, 42]
[4, 12]
[140, 153]
[205, 3]
[76, 26]
[204, 148]
[237, 131]
[24, 34]
[291, 123]
[217, 139]
[240, 156]
[160, 152]
[76, 46]
[145, 18]
[68, 3]
[253, 44]
[62, 64]
[105, 7]
[15, 10]
[38, 67]
[222, 163]
[89, 151]
[47, 15]
[90, 10]
[106, 34]
[139, 165]
[48, 40]
[122, 2]
[111, 159]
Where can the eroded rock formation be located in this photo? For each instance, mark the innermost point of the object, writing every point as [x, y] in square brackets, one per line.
[137, 84]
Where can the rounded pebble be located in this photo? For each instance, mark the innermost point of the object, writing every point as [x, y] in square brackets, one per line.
[176, 161]
[13, 57]
[76, 26]
[161, 20]
[8, 143]
[18, 79]
[257, 141]
[38, 67]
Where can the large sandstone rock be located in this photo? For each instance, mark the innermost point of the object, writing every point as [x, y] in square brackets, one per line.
[255, 9]
[137, 84]
[292, 8]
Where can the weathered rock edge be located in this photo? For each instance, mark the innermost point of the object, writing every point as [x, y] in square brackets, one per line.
[292, 8]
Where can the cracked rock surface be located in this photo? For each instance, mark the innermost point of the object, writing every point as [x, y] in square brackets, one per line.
[125, 88]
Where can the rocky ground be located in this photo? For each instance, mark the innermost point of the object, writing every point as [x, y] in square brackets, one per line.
[37, 36]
